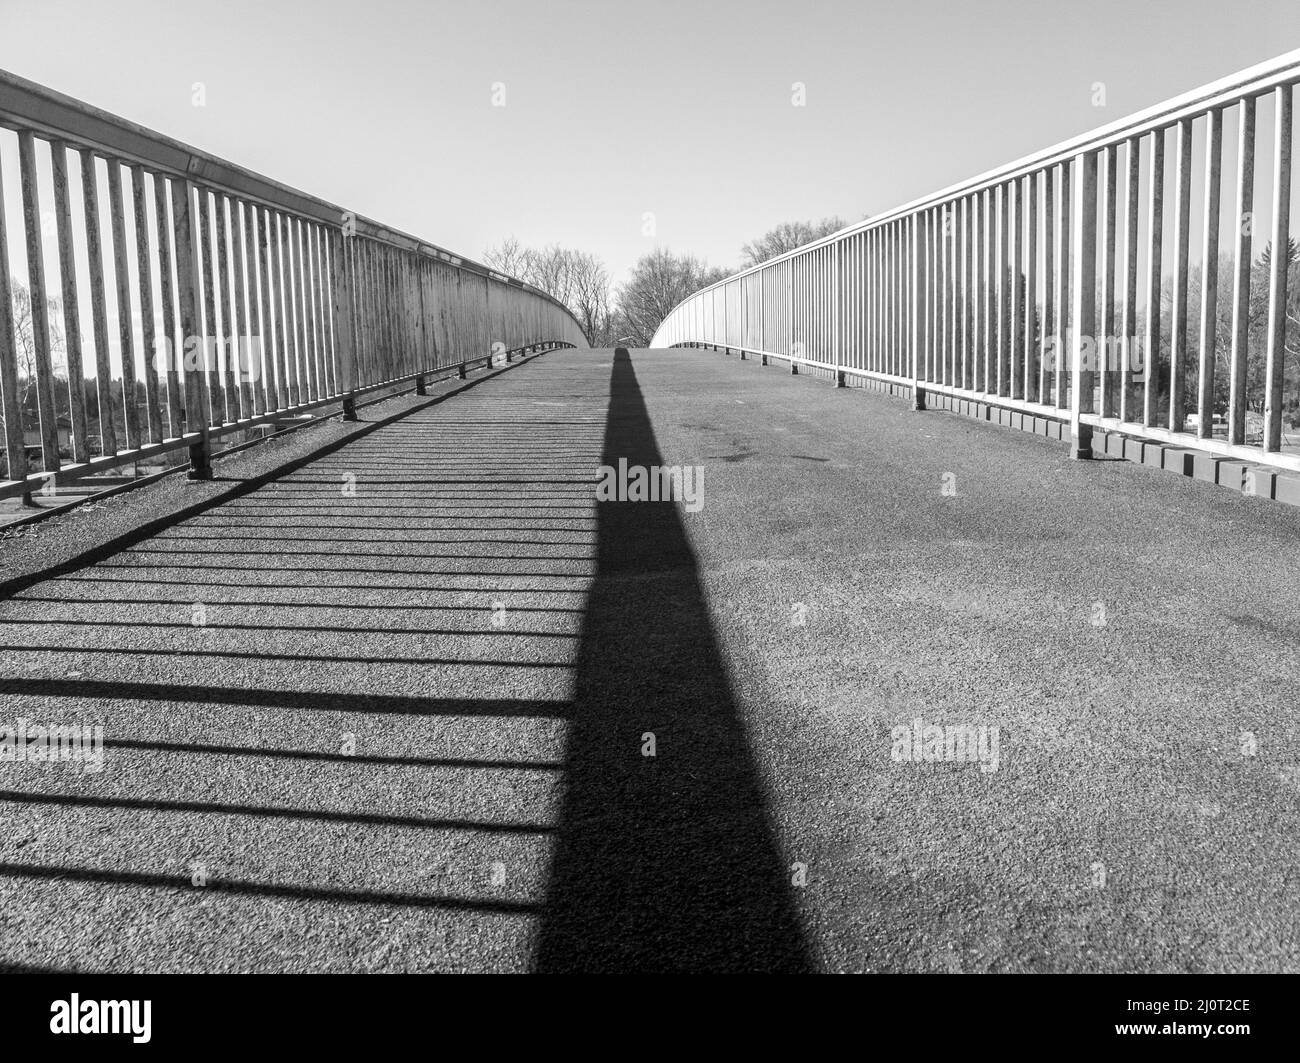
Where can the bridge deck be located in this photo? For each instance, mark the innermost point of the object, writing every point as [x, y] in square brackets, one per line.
[500, 645]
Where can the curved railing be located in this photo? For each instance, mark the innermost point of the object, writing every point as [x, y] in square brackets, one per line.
[176, 298]
[1027, 290]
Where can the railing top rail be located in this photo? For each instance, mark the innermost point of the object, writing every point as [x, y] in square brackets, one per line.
[25, 104]
[1282, 70]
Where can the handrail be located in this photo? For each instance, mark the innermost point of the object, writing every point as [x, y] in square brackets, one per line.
[256, 300]
[26, 104]
[1013, 287]
[1281, 70]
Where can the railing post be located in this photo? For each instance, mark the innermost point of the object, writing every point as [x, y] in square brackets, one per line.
[835, 314]
[201, 457]
[789, 290]
[186, 248]
[918, 395]
[1083, 281]
[345, 320]
[420, 386]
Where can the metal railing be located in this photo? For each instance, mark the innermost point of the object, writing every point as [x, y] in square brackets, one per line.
[174, 298]
[1031, 287]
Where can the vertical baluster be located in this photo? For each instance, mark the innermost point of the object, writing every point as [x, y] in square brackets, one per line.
[1011, 383]
[979, 231]
[227, 338]
[324, 316]
[259, 352]
[873, 279]
[1002, 224]
[169, 351]
[1155, 255]
[1241, 271]
[949, 273]
[273, 378]
[935, 358]
[900, 310]
[325, 293]
[481, 341]
[282, 309]
[1128, 323]
[1279, 265]
[1051, 347]
[965, 280]
[879, 286]
[1063, 322]
[1178, 317]
[888, 285]
[1083, 272]
[343, 288]
[287, 319]
[71, 305]
[210, 361]
[189, 274]
[15, 451]
[886, 296]
[1209, 275]
[907, 258]
[383, 338]
[1106, 346]
[242, 347]
[125, 332]
[148, 325]
[311, 275]
[360, 309]
[311, 304]
[979, 285]
[98, 304]
[900, 287]
[961, 255]
[917, 241]
[1031, 390]
[988, 297]
[367, 250]
[40, 304]
[301, 309]
[938, 305]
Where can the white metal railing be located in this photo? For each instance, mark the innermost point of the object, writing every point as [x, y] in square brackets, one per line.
[213, 299]
[1032, 286]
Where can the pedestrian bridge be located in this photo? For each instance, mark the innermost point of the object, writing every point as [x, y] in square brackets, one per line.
[407, 690]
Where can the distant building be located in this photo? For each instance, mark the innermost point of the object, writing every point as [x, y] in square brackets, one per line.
[32, 439]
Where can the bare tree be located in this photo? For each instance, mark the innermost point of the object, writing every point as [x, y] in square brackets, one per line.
[577, 279]
[24, 327]
[510, 257]
[659, 281]
[786, 237]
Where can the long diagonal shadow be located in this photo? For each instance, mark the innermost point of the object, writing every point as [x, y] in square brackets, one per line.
[665, 862]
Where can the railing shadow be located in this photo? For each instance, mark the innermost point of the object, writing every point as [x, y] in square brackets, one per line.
[665, 862]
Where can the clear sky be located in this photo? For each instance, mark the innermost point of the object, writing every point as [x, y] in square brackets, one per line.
[680, 110]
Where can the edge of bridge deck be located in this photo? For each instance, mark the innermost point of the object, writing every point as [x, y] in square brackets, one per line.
[1252, 479]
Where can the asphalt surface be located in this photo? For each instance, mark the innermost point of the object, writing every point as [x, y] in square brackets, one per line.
[410, 731]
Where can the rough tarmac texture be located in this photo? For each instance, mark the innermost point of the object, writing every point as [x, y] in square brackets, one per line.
[409, 731]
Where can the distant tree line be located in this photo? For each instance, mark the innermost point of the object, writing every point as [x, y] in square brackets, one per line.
[628, 314]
